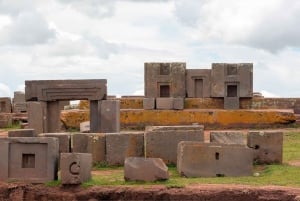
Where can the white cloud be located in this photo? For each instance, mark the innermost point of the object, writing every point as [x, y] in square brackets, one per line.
[5, 90]
[268, 94]
[29, 28]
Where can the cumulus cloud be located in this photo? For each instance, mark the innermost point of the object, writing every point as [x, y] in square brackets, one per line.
[4, 90]
[14, 7]
[255, 23]
[29, 28]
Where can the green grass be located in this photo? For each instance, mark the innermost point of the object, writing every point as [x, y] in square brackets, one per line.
[12, 127]
[282, 175]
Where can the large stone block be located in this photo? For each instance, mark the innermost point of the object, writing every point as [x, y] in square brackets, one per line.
[267, 146]
[64, 140]
[231, 103]
[196, 159]
[149, 103]
[22, 133]
[75, 168]
[31, 159]
[122, 145]
[198, 83]
[164, 103]
[37, 116]
[5, 120]
[161, 141]
[178, 103]
[110, 116]
[145, 169]
[164, 80]
[93, 143]
[228, 137]
[5, 105]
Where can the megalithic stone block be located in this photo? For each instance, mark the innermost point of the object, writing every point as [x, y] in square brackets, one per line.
[64, 140]
[75, 167]
[228, 137]
[267, 146]
[110, 116]
[197, 159]
[30, 159]
[22, 133]
[149, 103]
[145, 169]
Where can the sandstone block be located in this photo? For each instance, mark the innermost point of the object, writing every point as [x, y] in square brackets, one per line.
[164, 103]
[197, 159]
[228, 137]
[75, 167]
[267, 146]
[64, 140]
[178, 103]
[161, 141]
[110, 116]
[145, 169]
[122, 145]
[149, 103]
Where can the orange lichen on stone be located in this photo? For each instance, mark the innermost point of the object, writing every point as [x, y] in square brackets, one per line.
[131, 103]
[84, 104]
[73, 118]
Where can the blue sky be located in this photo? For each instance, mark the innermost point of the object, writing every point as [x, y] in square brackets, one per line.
[111, 39]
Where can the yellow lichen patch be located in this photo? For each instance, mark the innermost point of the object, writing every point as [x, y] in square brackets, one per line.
[84, 104]
[131, 103]
[73, 118]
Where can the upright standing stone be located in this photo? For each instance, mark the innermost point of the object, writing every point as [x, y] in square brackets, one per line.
[161, 141]
[110, 116]
[267, 146]
[122, 145]
[149, 103]
[37, 116]
[75, 167]
[19, 103]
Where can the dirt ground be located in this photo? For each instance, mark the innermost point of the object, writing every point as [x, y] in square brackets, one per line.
[21, 191]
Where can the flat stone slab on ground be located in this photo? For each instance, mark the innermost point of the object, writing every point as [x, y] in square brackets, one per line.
[145, 169]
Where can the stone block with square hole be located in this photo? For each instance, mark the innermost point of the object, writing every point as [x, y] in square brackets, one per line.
[22, 133]
[197, 159]
[228, 137]
[145, 169]
[75, 168]
[122, 145]
[267, 146]
[161, 141]
[93, 143]
[30, 159]
[64, 140]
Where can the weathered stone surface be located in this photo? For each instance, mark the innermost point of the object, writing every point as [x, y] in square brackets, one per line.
[196, 159]
[5, 120]
[64, 140]
[164, 103]
[5, 105]
[208, 118]
[73, 118]
[178, 103]
[267, 146]
[32, 159]
[145, 169]
[19, 104]
[161, 142]
[75, 167]
[110, 116]
[93, 143]
[37, 116]
[149, 103]
[122, 145]
[228, 137]
[231, 103]
[85, 127]
[164, 80]
[198, 83]
[53, 90]
[22, 133]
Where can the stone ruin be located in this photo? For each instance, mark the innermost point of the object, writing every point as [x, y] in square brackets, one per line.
[42, 148]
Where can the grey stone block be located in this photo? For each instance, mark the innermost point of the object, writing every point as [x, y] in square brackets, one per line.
[164, 103]
[198, 83]
[93, 143]
[75, 167]
[85, 127]
[64, 140]
[145, 169]
[228, 137]
[37, 116]
[5, 105]
[149, 103]
[267, 146]
[110, 116]
[161, 141]
[31, 159]
[231, 103]
[178, 103]
[22, 133]
[122, 145]
[196, 159]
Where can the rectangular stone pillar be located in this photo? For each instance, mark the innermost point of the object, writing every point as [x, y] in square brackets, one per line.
[95, 111]
[110, 116]
[53, 112]
[37, 116]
